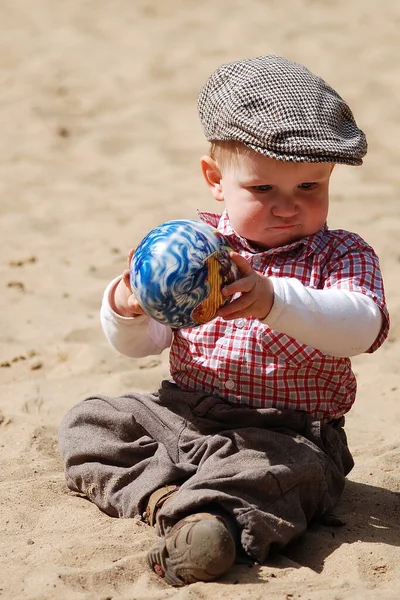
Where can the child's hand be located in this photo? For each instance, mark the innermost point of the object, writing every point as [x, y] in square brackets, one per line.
[122, 300]
[257, 293]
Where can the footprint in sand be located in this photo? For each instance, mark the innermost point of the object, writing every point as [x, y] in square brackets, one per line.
[44, 441]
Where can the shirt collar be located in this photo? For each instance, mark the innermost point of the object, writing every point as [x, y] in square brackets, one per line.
[303, 247]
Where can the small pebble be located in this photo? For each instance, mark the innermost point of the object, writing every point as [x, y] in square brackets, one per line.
[35, 364]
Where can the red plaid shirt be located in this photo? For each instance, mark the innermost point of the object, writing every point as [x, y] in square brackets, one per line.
[246, 362]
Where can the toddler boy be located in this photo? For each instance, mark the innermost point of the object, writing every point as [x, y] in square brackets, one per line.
[245, 445]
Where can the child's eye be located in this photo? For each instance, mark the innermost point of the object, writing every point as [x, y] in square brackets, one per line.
[308, 185]
[261, 188]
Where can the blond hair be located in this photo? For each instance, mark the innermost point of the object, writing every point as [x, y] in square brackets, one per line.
[227, 152]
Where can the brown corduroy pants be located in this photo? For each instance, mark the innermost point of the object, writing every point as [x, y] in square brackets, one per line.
[272, 471]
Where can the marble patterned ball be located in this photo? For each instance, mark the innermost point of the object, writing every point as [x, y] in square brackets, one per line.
[178, 270]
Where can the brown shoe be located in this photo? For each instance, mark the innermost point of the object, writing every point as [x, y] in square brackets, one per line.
[199, 547]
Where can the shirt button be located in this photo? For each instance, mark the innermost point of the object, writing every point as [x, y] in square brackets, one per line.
[257, 261]
[229, 384]
[240, 323]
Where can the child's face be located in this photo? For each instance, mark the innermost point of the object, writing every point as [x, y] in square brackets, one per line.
[271, 203]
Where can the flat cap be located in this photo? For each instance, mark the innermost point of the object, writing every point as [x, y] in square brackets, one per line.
[281, 110]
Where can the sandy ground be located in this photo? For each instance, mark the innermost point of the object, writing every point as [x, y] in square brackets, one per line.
[100, 141]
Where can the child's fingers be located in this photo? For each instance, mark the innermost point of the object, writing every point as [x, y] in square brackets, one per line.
[134, 305]
[234, 312]
[126, 276]
[131, 253]
[246, 281]
[239, 305]
[244, 267]
[241, 286]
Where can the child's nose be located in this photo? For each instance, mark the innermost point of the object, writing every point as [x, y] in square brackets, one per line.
[285, 206]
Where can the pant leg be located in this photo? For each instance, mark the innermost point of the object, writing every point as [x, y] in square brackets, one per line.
[117, 451]
[272, 471]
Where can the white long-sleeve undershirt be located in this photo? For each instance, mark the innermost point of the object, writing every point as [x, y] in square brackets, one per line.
[132, 336]
[336, 322]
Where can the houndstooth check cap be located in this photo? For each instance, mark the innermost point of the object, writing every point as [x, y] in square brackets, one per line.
[281, 110]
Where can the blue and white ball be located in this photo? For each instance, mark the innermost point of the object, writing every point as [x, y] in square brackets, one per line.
[178, 270]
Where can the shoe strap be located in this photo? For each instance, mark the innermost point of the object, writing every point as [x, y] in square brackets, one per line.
[155, 502]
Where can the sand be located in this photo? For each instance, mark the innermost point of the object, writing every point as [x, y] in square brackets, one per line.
[100, 141]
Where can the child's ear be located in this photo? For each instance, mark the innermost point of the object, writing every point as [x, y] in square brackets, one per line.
[212, 175]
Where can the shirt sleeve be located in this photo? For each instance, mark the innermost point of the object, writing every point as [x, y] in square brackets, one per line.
[342, 311]
[357, 269]
[336, 322]
[132, 336]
